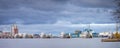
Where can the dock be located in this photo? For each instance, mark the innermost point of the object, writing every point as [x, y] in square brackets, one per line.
[110, 40]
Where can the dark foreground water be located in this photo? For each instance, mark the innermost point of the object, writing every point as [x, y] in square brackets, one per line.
[57, 43]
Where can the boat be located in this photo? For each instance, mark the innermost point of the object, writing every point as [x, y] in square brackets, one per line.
[110, 40]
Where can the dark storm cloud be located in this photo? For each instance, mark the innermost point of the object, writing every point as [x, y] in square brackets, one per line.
[52, 4]
[47, 11]
[26, 16]
[35, 4]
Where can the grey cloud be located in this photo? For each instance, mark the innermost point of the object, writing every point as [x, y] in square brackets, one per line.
[27, 16]
[46, 5]
[94, 3]
[31, 16]
[50, 11]
[53, 4]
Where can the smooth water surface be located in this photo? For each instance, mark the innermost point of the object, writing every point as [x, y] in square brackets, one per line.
[57, 43]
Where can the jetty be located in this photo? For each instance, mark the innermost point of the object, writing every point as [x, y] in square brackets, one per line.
[110, 40]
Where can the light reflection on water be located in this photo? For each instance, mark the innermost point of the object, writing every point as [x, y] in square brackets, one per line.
[57, 43]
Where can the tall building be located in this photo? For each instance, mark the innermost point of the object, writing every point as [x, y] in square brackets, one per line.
[14, 29]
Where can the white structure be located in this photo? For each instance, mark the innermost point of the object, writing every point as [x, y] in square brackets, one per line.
[18, 35]
[62, 34]
[42, 35]
[104, 34]
[24, 35]
[70, 34]
[85, 34]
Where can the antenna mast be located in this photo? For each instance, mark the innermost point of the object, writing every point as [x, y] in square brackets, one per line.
[117, 27]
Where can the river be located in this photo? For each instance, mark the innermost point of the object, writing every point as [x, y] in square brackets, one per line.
[57, 43]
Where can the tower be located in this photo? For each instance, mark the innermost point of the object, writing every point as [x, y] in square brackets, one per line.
[14, 29]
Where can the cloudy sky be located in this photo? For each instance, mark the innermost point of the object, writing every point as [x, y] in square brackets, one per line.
[34, 16]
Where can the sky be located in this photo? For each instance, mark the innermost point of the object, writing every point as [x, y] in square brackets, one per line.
[35, 16]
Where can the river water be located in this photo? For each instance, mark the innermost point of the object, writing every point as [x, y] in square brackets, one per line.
[57, 43]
